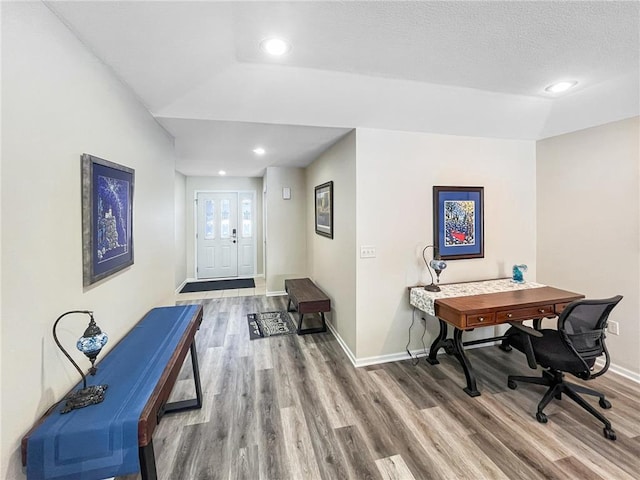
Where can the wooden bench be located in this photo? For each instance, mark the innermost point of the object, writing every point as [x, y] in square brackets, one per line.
[307, 298]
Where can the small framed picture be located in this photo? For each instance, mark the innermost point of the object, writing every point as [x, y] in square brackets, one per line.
[324, 209]
[107, 218]
[458, 222]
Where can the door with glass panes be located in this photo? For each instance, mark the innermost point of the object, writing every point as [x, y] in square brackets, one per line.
[225, 234]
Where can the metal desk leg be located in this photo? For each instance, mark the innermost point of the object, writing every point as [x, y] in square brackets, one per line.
[440, 342]
[147, 462]
[470, 389]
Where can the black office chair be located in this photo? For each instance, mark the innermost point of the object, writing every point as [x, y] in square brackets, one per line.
[572, 348]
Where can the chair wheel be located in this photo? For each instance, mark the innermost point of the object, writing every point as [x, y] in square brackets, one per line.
[512, 385]
[608, 433]
[604, 403]
[541, 417]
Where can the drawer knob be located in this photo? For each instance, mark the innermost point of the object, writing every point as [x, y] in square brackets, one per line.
[541, 310]
[509, 315]
[481, 319]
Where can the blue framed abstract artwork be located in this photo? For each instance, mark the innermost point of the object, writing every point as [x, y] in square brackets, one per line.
[458, 222]
[107, 218]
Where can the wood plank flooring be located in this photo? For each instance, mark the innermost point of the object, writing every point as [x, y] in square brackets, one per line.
[295, 408]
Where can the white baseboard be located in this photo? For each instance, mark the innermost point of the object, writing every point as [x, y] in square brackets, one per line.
[397, 357]
[634, 376]
[341, 342]
[391, 357]
[421, 353]
[275, 294]
[363, 362]
[181, 286]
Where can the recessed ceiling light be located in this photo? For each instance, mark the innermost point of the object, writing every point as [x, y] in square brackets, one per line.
[259, 151]
[560, 87]
[275, 46]
[222, 172]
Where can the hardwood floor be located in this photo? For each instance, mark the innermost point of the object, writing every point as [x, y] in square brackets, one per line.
[295, 408]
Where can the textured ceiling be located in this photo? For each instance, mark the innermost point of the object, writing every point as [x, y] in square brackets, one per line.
[464, 68]
[509, 47]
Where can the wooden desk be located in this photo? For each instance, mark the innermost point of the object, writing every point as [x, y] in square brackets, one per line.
[466, 313]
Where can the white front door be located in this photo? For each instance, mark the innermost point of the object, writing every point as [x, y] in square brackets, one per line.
[225, 234]
[217, 235]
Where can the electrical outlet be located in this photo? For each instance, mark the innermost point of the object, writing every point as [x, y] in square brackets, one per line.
[613, 328]
[367, 251]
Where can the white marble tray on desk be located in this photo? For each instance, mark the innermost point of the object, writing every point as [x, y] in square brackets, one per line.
[424, 300]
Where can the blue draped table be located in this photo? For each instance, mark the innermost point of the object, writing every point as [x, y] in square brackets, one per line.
[107, 439]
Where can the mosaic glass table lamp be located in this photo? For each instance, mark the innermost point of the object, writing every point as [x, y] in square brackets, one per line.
[91, 343]
[437, 264]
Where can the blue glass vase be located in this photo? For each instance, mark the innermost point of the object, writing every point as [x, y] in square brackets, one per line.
[518, 276]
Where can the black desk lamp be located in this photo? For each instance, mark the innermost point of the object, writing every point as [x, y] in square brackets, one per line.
[437, 264]
[91, 343]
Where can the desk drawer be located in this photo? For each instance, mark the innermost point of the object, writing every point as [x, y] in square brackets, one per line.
[560, 307]
[480, 320]
[525, 313]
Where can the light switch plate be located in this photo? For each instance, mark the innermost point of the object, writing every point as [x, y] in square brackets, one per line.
[367, 251]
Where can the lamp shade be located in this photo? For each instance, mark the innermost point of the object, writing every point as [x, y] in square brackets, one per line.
[92, 341]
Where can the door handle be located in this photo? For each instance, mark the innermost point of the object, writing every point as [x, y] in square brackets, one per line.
[234, 235]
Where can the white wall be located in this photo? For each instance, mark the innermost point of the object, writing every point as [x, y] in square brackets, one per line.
[286, 231]
[588, 215]
[332, 262]
[396, 173]
[58, 102]
[180, 233]
[224, 184]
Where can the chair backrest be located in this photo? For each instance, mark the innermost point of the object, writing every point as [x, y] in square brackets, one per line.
[582, 325]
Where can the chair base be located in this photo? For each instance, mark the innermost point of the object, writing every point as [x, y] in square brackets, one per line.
[557, 386]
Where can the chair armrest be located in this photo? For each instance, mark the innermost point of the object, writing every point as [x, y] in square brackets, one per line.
[525, 333]
[528, 330]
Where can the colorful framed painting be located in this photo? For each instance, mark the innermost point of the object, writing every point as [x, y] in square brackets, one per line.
[107, 218]
[324, 209]
[458, 222]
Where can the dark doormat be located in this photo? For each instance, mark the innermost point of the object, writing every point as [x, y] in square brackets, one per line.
[270, 324]
[218, 285]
